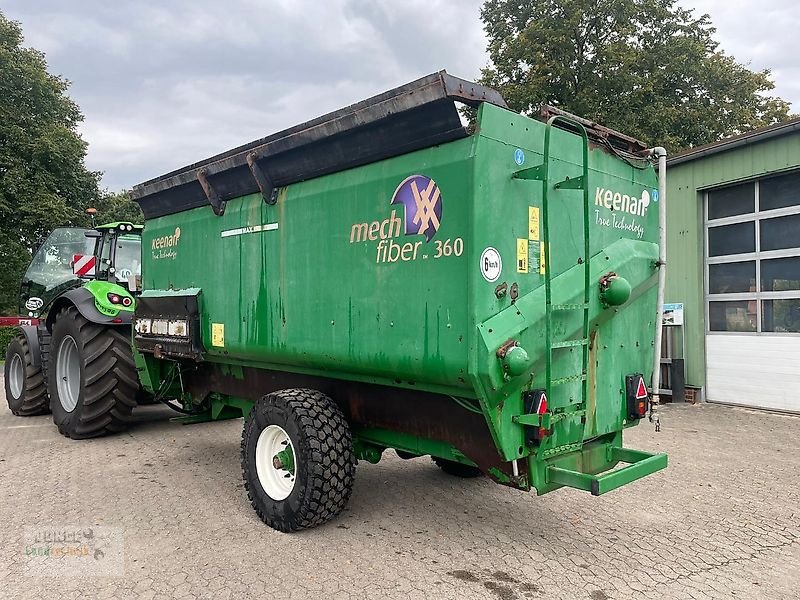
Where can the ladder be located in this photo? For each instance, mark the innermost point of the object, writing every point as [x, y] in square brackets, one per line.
[557, 311]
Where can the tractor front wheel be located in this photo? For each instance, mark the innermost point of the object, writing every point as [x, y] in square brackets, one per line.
[26, 392]
[297, 459]
[91, 376]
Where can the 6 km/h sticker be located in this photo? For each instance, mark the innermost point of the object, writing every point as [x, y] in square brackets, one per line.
[491, 264]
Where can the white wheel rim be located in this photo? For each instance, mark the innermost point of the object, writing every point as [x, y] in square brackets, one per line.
[278, 482]
[16, 376]
[68, 374]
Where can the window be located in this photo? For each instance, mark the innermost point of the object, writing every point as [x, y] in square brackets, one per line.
[753, 256]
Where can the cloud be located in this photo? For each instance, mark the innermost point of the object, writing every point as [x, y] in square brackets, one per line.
[165, 84]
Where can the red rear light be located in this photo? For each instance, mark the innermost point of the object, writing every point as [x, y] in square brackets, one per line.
[126, 301]
[114, 298]
[637, 396]
[535, 402]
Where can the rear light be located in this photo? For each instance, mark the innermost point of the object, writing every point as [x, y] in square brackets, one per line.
[126, 301]
[535, 403]
[638, 399]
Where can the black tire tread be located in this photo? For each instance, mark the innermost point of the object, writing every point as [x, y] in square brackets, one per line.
[110, 380]
[34, 400]
[331, 468]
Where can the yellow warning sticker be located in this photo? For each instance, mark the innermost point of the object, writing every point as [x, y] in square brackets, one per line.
[533, 223]
[522, 255]
[541, 259]
[218, 335]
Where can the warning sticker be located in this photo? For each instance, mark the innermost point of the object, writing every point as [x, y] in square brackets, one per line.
[533, 223]
[542, 267]
[522, 255]
[218, 335]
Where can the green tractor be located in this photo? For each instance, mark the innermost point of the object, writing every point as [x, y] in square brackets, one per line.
[72, 354]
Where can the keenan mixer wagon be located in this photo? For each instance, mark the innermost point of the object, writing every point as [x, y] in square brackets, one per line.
[384, 277]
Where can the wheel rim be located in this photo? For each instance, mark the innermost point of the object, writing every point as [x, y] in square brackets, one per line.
[275, 462]
[16, 376]
[68, 374]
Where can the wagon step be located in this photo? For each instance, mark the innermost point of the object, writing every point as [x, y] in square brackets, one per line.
[640, 464]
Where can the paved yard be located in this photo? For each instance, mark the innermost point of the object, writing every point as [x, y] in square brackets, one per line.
[723, 521]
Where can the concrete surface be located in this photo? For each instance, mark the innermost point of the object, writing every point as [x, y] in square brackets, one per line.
[722, 522]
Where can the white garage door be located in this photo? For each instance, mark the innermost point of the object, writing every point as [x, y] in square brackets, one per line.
[752, 293]
[758, 371]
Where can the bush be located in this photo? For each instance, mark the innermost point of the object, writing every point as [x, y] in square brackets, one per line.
[6, 333]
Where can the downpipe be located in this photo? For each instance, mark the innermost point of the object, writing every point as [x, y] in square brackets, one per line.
[661, 154]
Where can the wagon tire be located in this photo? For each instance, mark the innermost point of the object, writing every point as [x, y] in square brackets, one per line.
[297, 459]
[26, 387]
[91, 376]
[457, 469]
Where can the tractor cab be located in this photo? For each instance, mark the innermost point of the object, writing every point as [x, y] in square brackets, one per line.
[118, 254]
[70, 256]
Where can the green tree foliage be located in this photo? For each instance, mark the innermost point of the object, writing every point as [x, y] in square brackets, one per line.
[44, 182]
[646, 67]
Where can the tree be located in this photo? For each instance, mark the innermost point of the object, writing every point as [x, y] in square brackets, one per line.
[645, 67]
[115, 206]
[44, 182]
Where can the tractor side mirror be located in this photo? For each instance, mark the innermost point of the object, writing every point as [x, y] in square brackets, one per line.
[93, 233]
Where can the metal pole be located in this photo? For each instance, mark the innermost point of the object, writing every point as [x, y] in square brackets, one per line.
[661, 155]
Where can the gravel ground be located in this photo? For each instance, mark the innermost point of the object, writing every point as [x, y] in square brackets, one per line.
[166, 504]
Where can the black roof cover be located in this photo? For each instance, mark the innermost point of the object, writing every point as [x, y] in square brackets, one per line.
[413, 116]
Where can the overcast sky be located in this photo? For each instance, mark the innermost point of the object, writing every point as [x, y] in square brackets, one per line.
[166, 83]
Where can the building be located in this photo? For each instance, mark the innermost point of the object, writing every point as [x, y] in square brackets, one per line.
[734, 262]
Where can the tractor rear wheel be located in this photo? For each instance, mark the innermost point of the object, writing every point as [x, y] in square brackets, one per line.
[26, 389]
[457, 469]
[91, 376]
[297, 459]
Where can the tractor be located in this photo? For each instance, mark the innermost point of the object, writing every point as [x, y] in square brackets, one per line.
[72, 354]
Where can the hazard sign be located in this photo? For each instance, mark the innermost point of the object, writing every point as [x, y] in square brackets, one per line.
[83, 265]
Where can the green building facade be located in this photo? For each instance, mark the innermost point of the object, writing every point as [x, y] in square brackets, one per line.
[734, 262]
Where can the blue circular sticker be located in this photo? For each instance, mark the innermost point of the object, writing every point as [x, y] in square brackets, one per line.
[654, 195]
[519, 157]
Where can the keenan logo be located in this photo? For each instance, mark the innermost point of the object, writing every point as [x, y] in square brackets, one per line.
[423, 205]
[167, 241]
[165, 246]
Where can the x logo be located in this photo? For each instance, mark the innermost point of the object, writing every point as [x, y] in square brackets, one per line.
[425, 201]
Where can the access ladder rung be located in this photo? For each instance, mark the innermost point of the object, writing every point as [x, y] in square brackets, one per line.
[568, 379]
[569, 306]
[569, 344]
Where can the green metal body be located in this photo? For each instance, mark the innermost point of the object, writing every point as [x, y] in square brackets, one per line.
[325, 283]
[100, 290]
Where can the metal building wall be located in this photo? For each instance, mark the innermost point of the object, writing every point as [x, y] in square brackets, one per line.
[686, 183]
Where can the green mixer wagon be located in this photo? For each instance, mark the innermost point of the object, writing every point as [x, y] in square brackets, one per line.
[385, 277]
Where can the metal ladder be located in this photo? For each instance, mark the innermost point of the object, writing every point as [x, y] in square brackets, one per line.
[555, 311]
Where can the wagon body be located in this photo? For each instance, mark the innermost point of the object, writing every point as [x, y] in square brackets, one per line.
[414, 271]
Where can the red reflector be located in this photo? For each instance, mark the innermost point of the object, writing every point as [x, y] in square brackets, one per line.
[641, 408]
[116, 320]
[542, 407]
[641, 389]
